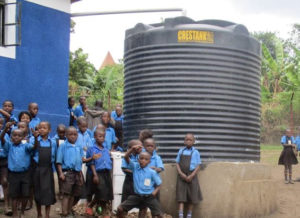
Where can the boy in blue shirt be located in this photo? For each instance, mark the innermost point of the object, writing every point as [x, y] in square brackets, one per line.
[80, 109]
[128, 182]
[6, 113]
[155, 161]
[69, 161]
[146, 185]
[71, 103]
[33, 109]
[187, 188]
[100, 167]
[19, 155]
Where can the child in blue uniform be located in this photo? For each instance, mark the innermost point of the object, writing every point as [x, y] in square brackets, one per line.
[80, 109]
[287, 156]
[3, 170]
[128, 182]
[7, 113]
[59, 138]
[155, 161]
[71, 103]
[101, 168]
[146, 185]
[18, 165]
[44, 157]
[33, 109]
[110, 136]
[187, 188]
[69, 161]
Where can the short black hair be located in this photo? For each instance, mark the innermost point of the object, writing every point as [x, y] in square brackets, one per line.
[22, 113]
[48, 124]
[9, 101]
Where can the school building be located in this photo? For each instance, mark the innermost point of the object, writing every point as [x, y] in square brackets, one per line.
[34, 56]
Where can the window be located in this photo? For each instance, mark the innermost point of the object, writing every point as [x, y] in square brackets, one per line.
[10, 23]
[2, 16]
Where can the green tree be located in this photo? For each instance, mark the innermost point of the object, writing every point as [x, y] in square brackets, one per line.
[81, 71]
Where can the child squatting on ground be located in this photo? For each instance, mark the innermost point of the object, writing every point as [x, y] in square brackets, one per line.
[187, 188]
[288, 155]
[146, 184]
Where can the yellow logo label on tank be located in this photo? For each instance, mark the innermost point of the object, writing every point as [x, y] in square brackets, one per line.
[195, 36]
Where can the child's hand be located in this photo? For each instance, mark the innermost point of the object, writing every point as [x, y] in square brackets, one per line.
[137, 148]
[96, 156]
[8, 125]
[35, 133]
[183, 176]
[95, 179]
[189, 178]
[62, 177]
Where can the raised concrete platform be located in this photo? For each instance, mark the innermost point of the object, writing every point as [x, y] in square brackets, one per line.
[228, 189]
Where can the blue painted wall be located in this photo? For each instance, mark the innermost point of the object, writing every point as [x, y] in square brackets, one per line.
[40, 71]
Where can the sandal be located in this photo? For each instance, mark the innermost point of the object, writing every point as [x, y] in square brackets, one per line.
[8, 212]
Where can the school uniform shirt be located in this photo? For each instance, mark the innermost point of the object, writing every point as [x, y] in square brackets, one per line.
[70, 156]
[144, 179]
[284, 141]
[156, 161]
[84, 140]
[44, 143]
[134, 158]
[102, 163]
[18, 156]
[297, 141]
[34, 122]
[60, 141]
[195, 159]
[11, 119]
[3, 152]
[115, 116]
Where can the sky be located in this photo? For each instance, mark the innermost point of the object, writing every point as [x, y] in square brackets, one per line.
[97, 35]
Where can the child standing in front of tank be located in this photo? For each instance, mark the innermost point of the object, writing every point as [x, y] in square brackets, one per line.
[288, 156]
[187, 188]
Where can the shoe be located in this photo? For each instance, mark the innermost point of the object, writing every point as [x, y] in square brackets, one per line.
[291, 181]
[89, 211]
[286, 182]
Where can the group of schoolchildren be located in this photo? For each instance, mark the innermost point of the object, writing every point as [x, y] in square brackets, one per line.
[288, 156]
[82, 160]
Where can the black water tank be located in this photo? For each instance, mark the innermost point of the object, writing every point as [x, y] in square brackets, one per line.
[201, 77]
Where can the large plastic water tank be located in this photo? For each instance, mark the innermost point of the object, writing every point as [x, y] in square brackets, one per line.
[202, 77]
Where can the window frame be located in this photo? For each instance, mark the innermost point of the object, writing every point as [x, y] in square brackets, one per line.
[2, 22]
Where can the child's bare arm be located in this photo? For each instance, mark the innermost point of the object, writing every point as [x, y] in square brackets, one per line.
[60, 172]
[5, 130]
[95, 176]
[156, 190]
[4, 113]
[130, 151]
[181, 174]
[192, 175]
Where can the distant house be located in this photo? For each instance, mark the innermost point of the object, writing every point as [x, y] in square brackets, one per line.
[34, 55]
[108, 61]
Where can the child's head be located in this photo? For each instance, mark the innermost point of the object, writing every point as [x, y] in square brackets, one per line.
[61, 131]
[24, 116]
[24, 127]
[135, 142]
[33, 109]
[44, 128]
[288, 132]
[144, 159]
[149, 145]
[99, 136]
[105, 118]
[119, 110]
[71, 101]
[72, 134]
[82, 100]
[8, 106]
[101, 127]
[1, 122]
[16, 136]
[144, 134]
[189, 140]
[82, 124]
[99, 103]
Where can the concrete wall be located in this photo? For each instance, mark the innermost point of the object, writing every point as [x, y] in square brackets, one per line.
[228, 189]
[39, 71]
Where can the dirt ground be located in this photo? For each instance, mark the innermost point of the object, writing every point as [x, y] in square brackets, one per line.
[288, 195]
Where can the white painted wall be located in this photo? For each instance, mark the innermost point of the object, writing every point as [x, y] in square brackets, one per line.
[61, 5]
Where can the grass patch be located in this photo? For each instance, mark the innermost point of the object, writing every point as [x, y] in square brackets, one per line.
[267, 147]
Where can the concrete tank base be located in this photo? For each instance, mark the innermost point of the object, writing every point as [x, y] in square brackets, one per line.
[228, 189]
